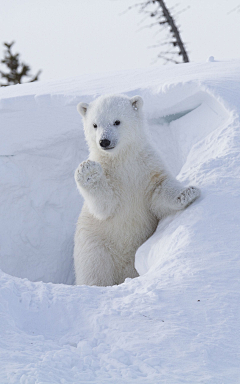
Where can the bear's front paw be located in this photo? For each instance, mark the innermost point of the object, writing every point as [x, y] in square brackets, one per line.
[188, 196]
[88, 173]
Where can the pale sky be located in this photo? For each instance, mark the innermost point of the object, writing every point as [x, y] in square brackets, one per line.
[66, 38]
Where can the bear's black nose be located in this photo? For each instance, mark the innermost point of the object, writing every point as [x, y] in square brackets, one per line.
[104, 143]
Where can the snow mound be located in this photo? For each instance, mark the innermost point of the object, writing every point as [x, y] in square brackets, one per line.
[38, 241]
[188, 135]
[177, 322]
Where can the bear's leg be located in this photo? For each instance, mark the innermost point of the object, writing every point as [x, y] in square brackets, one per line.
[93, 262]
[97, 264]
[94, 187]
[171, 196]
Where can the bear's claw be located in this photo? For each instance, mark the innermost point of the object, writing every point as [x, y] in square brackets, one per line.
[188, 196]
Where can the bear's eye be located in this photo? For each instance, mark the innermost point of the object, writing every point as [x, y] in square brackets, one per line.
[117, 122]
[94, 125]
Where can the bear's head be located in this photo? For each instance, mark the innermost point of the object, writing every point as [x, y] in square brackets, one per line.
[112, 122]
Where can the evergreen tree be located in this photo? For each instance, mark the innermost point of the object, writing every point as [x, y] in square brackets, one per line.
[16, 70]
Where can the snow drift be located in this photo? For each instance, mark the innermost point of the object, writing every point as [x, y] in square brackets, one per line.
[177, 322]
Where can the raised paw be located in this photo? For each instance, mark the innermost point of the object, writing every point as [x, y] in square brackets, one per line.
[88, 173]
[188, 196]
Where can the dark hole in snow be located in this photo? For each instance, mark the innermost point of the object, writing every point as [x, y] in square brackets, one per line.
[167, 119]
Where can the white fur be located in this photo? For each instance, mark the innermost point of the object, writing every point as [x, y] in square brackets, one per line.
[126, 189]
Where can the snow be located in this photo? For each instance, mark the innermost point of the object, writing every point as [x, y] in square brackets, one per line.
[179, 321]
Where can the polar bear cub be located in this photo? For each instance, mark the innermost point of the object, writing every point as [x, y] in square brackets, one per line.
[126, 189]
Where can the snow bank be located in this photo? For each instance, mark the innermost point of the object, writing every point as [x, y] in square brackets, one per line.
[177, 322]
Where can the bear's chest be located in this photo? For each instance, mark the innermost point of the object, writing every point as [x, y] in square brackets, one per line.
[130, 186]
[133, 221]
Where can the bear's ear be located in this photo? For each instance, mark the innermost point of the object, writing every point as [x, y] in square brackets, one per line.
[137, 102]
[82, 108]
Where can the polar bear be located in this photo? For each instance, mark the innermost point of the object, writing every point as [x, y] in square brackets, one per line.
[126, 188]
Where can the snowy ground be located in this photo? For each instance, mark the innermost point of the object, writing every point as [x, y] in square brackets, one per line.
[179, 321]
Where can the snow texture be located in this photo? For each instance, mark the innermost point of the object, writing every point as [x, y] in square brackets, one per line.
[179, 321]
